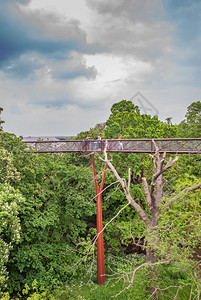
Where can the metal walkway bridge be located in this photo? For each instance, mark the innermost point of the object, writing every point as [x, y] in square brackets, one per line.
[180, 146]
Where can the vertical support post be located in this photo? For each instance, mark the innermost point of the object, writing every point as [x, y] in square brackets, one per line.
[100, 244]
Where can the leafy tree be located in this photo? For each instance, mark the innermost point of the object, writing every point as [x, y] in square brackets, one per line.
[125, 119]
[193, 114]
[53, 218]
[58, 189]
[97, 130]
[1, 122]
[160, 250]
[58, 208]
[11, 142]
[191, 126]
[131, 124]
[124, 106]
[10, 201]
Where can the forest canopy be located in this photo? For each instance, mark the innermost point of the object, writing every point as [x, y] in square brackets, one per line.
[48, 213]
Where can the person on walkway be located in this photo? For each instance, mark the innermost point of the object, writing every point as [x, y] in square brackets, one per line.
[120, 144]
[95, 142]
[99, 141]
[87, 142]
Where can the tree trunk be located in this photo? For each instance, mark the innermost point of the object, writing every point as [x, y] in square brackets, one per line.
[153, 196]
[151, 257]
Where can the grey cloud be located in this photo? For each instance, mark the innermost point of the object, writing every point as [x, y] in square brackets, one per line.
[22, 67]
[89, 73]
[143, 10]
[131, 28]
[61, 101]
[28, 65]
[74, 66]
[48, 103]
[23, 31]
[49, 25]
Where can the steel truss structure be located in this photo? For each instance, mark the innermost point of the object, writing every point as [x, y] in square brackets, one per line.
[181, 145]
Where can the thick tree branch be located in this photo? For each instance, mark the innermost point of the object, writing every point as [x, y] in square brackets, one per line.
[147, 193]
[153, 162]
[129, 179]
[157, 176]
[163, 169]
[122, 181]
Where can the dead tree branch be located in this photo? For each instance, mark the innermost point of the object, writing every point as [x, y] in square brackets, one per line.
[169, 287]
[124, 186]
[184, 191]
[137, 269]
[157, 176]
[147, 193]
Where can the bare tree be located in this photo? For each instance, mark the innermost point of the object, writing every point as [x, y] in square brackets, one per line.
[153, 193]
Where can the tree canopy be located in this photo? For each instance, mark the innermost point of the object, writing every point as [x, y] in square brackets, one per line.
[48, 209]
[126, 120]
[191, 126]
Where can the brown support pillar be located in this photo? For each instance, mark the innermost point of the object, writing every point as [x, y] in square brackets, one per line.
[100, 244]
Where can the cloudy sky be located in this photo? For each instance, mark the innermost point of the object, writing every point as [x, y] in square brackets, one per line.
[64, 63]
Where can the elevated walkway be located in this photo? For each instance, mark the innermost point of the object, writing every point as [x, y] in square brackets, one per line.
[181, 145]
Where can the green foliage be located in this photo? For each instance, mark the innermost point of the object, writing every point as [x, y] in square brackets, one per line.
[4, 296]
[172, 281]
[194, 112]
[10, 201]
[8, 173]
[182, 218]
[54, 202]
[1, 122]
[11, 143]
[97, 130]
[124, 106]
[114, 198]
[117, 280]
[180, 232]
[125, 119]
[54, 216]
[9, 226]
[190, 164]
[191, 126]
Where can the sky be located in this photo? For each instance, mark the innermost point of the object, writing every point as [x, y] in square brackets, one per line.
[63, 64]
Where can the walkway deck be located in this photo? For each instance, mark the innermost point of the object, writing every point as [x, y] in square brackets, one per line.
[129, 146]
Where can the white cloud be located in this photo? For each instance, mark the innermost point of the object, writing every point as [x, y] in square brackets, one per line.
[59, 84]
[113, 73]
[68, 10]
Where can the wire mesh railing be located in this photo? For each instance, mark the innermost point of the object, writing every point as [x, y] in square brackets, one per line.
[181, 145]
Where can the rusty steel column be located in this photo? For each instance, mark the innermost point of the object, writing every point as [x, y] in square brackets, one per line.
[100, 243]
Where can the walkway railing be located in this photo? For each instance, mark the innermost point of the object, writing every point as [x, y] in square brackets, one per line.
[192, 145]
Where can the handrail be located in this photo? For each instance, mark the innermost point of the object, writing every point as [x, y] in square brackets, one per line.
[169, 145]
